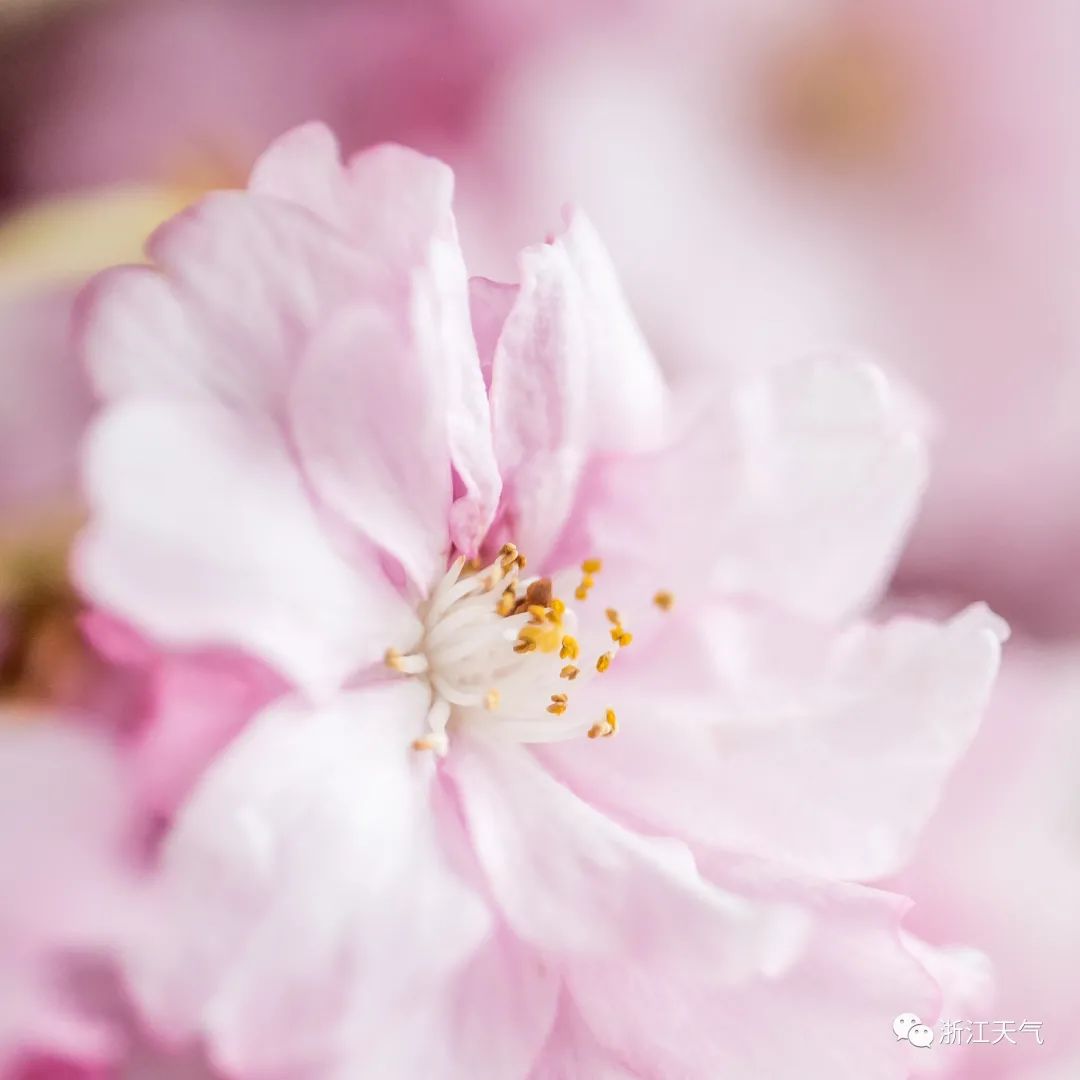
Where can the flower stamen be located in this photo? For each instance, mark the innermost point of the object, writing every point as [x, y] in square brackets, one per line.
[606, 727]
[495, 649]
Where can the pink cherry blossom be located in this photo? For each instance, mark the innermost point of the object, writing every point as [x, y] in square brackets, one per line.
[69, 886]
[585, 746]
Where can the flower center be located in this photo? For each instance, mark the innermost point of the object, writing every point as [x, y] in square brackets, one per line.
[499, 649]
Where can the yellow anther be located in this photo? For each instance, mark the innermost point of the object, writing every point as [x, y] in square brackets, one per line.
[558, 607]
[393, 659]
[559, 699]
[538, 612]
[506, 602]
[425, 743]
[557, 708]
[613, 616]
[592, 566]
[603, 661]
[524, 645]
[570, 672]
[582, 591]
[664, 600]
[570, 648]
[624, 638]
[509, 557]
[606, 727]
[491, 700]
[616, 633]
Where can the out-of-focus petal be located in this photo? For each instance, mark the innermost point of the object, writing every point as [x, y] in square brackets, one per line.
[829, 1014]
[310, 902]
[489, 304]
[69, 887]
[487, 1023]
[239, 282]
[824, 752]
[572, 1051]
[197, 705]
[965, 978]
[797, 488]
[203, 535]
[45, 401]
[999, 863]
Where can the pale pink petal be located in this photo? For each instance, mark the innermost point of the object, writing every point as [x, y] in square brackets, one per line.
[838, 769]
[572, 1051]
[824, 751]
[489, 305]
[797, 488]
[998, 866]
[836, 466]
[572, 881]
[370, 428]
[390, 201]
[304, 167]
[203, 535]
[626, 394]
[539, 383]
[198, 704]
[395, 205]
[239, 283]
[309, 901]
[828, 1015]
[571, 377]
[406, 187]
[966, 979]
[964, 975]
[488, 1022]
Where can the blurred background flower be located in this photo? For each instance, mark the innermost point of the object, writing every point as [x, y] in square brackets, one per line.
[900, 175]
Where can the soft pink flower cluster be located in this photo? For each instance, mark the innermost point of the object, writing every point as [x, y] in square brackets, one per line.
[515, 713]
